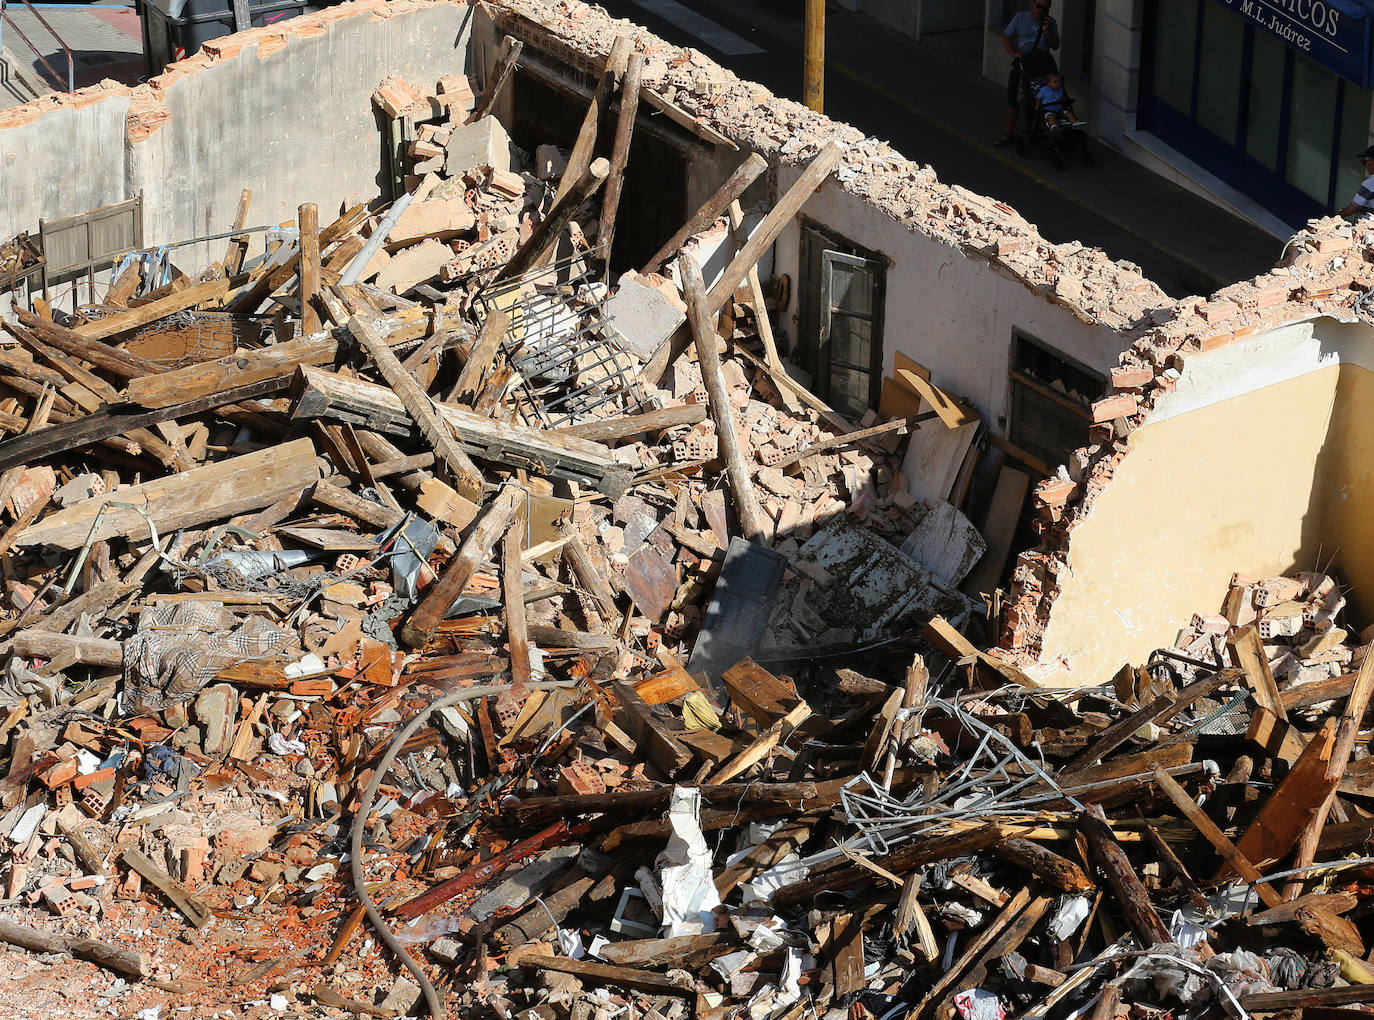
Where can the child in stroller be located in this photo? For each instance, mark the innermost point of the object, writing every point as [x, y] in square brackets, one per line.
[1051, 119]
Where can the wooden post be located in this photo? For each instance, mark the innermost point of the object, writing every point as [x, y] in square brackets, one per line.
[747, 507]
[745, 174]
[760, 241]
[813, 85]
[308, 222]
[546, 234]
[620, 151]
[444, 592]
[581, 156]
[513, 592]
[505, 64]
[462, 472]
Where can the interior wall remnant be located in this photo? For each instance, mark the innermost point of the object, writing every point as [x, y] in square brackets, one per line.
[1259, 462]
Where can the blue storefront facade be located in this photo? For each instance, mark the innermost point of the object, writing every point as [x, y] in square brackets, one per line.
[1271, 96]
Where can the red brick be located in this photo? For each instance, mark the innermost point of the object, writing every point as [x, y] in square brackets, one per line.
[1218, 311]
[1054, 491]
[1128, 377]
[1119, 405]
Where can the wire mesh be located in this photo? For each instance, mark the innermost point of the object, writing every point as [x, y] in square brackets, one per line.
[570, 366]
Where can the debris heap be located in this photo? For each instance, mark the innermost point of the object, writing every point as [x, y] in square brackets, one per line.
[396, 622]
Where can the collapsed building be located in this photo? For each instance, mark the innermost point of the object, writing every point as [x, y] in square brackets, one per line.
[397, 565]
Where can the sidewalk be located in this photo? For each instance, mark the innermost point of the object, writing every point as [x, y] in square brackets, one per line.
[934, 111]
[105, 39]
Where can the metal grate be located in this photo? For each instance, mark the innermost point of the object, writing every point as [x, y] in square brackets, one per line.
[570, 366]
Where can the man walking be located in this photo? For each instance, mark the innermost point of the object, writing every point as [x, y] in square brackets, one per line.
[1028, 39]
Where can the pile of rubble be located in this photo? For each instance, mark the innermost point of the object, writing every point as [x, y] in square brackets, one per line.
[449, 642]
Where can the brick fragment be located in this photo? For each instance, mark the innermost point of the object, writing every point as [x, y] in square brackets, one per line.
[1218, 311]
[1119, 405]
[1131, 377]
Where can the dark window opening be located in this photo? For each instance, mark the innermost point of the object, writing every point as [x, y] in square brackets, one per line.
[1051, 400]
[653, 204]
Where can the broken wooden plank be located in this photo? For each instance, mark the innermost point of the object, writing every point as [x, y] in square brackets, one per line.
[204, 494]
[485, 533]
[191, 907]
[1292, 805]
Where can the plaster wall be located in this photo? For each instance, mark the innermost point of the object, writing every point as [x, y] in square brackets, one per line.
[293, 123]
[64, 162]
[1260, 462]
[951, 312]
[294, 126]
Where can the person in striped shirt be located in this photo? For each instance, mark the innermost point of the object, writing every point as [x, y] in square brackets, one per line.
[1363, 202]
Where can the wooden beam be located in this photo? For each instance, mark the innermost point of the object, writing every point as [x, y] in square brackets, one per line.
[308, 221]
[1216, 837]
[608, 430]
[505, 64]
[321, 394]
[580, 158]
[208, 493]
[179, 301]
[620, 152]
[546, 234]
[1248, 653]
[752, 521]
[761, 320]
[113, 958]
[480, 359]
[750, 252]
[462, 472]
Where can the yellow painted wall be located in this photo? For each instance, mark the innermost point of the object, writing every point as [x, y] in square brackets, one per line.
[1344, 491]
[1239, 485]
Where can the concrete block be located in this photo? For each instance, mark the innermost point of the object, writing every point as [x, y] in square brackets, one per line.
[414, 265]
[481, 144]
[643, 314]
[438, 218]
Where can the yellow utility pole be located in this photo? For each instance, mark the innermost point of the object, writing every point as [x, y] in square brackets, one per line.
[813, 86]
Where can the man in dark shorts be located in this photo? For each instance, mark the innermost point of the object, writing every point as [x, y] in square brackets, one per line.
[1029, 34]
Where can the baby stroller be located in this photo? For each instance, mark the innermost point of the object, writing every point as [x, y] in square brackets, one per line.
[1061, 140]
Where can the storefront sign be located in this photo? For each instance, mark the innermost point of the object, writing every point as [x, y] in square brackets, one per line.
[1334, 33]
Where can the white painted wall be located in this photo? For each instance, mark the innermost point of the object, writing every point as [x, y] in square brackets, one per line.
[948, 311]
[296, 125]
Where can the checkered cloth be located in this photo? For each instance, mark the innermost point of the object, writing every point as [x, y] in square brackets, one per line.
[180, 646]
